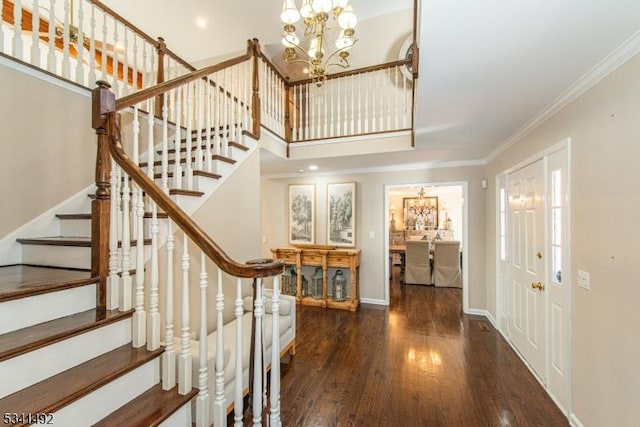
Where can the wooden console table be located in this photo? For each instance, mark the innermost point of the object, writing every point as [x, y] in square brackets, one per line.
[325, 258]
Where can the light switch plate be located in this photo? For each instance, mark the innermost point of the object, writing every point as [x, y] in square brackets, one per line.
[372, 234]
[584, 279]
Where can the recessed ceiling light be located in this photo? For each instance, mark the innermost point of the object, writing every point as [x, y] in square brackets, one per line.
[300, 170]
[313, 167]
[201, 22]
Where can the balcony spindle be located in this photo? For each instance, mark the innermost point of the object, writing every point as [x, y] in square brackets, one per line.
[103, 48]
[199, 125]
[208, 154]
[116, 66]
[177, 143]
[189, 137]
[51, 57]
[80, 46]
[202, 401]
[92, 46]
[35, 34]
[17, 30]
[169, 354]
[184, 361]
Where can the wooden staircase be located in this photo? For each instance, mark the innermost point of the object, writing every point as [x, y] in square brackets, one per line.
[63, 359]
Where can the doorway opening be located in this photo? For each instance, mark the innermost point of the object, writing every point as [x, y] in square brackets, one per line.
[435, 212]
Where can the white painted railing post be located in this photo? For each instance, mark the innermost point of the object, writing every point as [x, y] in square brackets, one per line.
[35, 34]
[258, 312]
[177, 145]
[164, 164]
[139, 320]
[92, 46]
[125, 281]
[202, 401]
[169, 354]
[189, 170]
[275, 354]
[238, 409]
[17, 30]
[80, 46]
[219, 405]
[184, 362]
[66, 59]
[153, 324]
[199, 125]
[113, 281]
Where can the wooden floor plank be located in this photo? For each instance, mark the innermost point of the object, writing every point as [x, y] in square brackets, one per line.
[419, 362]
[19, 281]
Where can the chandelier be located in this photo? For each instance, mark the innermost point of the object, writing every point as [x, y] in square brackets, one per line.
[329, 30]
[422, 212]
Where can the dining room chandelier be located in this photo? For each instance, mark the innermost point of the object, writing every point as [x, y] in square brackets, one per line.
[329, 34]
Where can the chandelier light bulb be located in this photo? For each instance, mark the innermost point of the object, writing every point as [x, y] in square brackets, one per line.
[290, 14]
[306, 10]
[346, 40]
[348, 18]
[339, 5]
[322, 6]
[290, 40]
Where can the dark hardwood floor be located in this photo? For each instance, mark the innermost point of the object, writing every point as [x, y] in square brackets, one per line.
[420, 362]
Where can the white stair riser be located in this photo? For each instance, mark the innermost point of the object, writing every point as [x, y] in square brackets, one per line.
[180, 418]
[20, 313]
[29, 368]
[75, 227]
[101, 402]
[218, 166]
[66, 256]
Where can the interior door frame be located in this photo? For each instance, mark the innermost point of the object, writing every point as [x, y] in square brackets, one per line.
[464, 243]
[503, 327]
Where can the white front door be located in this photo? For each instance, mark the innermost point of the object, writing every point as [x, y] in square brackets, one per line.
[526, 275]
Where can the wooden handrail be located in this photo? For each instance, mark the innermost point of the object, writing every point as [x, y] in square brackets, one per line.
[356, 71]
[151, 92]
[106, 119]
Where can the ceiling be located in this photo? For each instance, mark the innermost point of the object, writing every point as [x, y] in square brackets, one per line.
[486, 68]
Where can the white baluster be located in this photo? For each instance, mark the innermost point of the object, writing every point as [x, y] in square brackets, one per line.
[208, 153]
[169, 355]
[258, 312]
[275, 354]
[145, 70]
[389, 89]
[308, 127]
[404, 103]
[17, 30]
[66, 61]
[218, 119]
[397, 106]
[239, 388]
[103, 49]
[189, 170]
[353, 107]
[202, 401]
[382, 87]
[366, 104]
[335, 121]
[125, 62]
[265, 357]
[150, 139]
[80, 46]
[199, 124]
[164, 177]
[116, 78]
[35, 34]
[135, 82]
[92, 47]
[125, 281]
[225, 126]
[184, 361]
[1, 29]
[326, 117]
[177, 166]
[139, 320]
[219, 405]
[153, 324]
[51, 57]
[373, 91]
[113, 281]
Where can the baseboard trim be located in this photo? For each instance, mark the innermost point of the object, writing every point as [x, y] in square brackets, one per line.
[574, 421]
[373, 301]
[475, 312]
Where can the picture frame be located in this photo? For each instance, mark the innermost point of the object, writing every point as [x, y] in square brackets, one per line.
[420, 211]
[302, 214]
[341, 214]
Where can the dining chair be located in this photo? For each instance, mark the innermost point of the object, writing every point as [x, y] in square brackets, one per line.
[446, 263]
[417, 268]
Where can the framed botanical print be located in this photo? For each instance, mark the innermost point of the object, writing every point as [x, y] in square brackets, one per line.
[302, 213]
[341, 214]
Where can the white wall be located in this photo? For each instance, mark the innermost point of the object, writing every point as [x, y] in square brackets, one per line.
[46, 138]
[604, 129]
[371, 217]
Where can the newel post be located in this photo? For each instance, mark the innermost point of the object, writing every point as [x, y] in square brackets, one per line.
[255, 102]
[103, 103]
[161, 49]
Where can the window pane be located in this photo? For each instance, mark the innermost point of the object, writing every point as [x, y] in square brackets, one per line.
[557, 264]
[556, 225]
[503, 247]
[556, 188]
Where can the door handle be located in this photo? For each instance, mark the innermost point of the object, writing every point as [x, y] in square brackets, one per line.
[538, 285]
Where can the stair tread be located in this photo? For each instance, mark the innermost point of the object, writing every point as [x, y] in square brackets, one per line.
[80, 241]
[238, 145]
[66, 387]
[37, 336]
[178, 192]
[88, 215]
[20, 281]
[195, 173]
[172, 161]
[149, 409]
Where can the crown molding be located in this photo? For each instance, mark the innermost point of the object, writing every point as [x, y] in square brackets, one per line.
[381, 169]
[611, 62]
